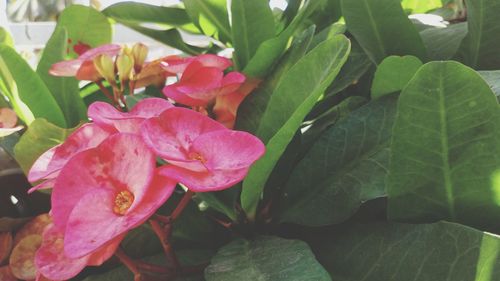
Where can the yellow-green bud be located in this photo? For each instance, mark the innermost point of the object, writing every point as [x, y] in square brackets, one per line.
[125, 66]
[139, 53]
[106, 67]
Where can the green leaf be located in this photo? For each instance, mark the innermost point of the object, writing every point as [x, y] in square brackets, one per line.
[252, 109]
[265, 259]
[396, 252]
[445, 150]
[420, 7]
[493, 80]
[443, 43]
[40, 137]
[211, 17]
[252, 24]
[84, 26]
[140, 14]
[5, 37]
[294, 97]
[345, 167]
[271, 50]
[27, 93]
[479, 47]
[65, 90]
[393, 73]
[382, 29]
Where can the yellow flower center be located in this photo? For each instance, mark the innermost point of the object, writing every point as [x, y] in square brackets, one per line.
[123, 201]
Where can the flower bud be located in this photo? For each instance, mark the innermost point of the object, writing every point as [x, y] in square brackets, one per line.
[125, 65]
[139, 53]
[106, 67]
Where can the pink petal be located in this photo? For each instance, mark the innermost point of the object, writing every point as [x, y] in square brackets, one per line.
[102, 254]
[89, 229]
[228, 150]
[48, 164]
[226, 107]
[88, 72]
[51, 261]
[106, 115]
[171, 134]
[8, 118]
[176, 64]
[44, 185]
[231, 82]
[120, 162]
[197, 77]
[172, 92]
[66, 68]
[204, 181]
[210, 60]
[107, 49]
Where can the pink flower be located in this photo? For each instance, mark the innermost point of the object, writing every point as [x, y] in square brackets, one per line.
[103, 192]
[53, 263]
[177, 65]
[8, 121]
[48, 165]
[83, 67]
[202, 153]
[105, 115]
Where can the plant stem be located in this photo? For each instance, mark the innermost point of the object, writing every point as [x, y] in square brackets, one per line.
[181, 205]
[163, 234]
[129, 263]
[107, 93]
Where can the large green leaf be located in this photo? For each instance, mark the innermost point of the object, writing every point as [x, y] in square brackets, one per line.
[419, 6]
[252, 24]
[382, 28]
[445, 152]
[397, 252]
[25, 90]
[211, 17]
[65, 90]
[140, 13]
[271, 50]
[479, 47]
[393, 73]
[40, 137]
[252, 109]
[265, 259]
[346, 166]
[443, 43]
[84, 26]
[294, 97]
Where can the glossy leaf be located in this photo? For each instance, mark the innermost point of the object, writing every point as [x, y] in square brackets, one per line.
[493, 80]
[393, 73]
[252, 24]
[294, 97]
[266, 259]
[211, 17]
[27, 93]
[443, 43]
[421, 252]
[65, 90]
[40, 137]
[86, 27]
[479, 47]
[382, 29]
[345, 167]
[445, 148]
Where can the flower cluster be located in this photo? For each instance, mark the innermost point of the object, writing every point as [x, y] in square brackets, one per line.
[106, 178]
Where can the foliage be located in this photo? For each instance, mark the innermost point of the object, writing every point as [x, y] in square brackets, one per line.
[381, 133]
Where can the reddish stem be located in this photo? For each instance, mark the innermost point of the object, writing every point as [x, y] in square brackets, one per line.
[107, 93]
[131, 87]
[129, 263]
[164, 236]
[181, 205]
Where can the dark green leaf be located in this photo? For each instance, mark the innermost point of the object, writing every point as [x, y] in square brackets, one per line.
[211, 17]
[252, 24]
[443, 43]
[382, 29]
[27, 93]
[345, 167]
[84, 26]
[141, 13]
[397, 252]
[445, 150]
[40, 137]
[265, 259]
[295, 95]
[65, 90]
[479, 47]
[393, 73]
